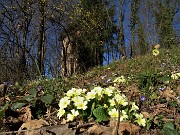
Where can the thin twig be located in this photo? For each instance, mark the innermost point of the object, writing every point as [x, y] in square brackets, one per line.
[20, 131]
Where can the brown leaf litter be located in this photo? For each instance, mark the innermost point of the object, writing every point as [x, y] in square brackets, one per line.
[32, 124]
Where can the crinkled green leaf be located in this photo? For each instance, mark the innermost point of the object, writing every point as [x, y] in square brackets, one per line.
[164, 79]
[18, 105]
[168, 129]
[47, 99]
[153, 96]
[3, 109]
[100, 114]
[28, 98]
[33, 92]
[169, 125]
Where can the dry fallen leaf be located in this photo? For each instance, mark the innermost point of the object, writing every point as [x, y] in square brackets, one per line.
[64, 121]
[146, 114]
[95, 130]
[25, 114]
[132, 91]
[168, 94]
[125, 126]
[157, 46]
[3, 99]
[32, 124]
[178, 90]
[131, 128]
[160, 108]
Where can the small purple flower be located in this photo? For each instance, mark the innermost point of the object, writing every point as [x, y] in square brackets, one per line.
[161, 89]
[39, 88]
[102, 77]
[108, 80]
[163, 65]
[143, 98]
[7, 83]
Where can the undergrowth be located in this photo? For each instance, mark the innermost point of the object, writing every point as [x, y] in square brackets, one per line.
[155, 81]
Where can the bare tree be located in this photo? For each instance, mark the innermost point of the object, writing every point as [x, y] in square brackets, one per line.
[42, 19]
[133, 19]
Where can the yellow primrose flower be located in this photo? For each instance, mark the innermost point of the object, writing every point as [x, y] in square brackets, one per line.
[71, 92]
[98, 90]
[113, 113]
[74, 112]
[75, 99]
[134, 107]
[175, 76]
[140, 120]
[105, 106]
[78, 99]
[155, 52]
[81, 105]
[78, 92]
[123, 115]
[109, 91]
[122, 102]
[112, 102]
[121, 99]
[64, 102]
[84, 90]
[91, 95]
[70, 117]
[60, 113]
[178, 74]
[124, 96]
[120, 79]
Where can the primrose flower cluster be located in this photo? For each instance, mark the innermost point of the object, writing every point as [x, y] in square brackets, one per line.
[155, 51]
[77, 102]
[175, 76]
[120, 79]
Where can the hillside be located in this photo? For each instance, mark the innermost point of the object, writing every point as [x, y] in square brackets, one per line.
[145, 91]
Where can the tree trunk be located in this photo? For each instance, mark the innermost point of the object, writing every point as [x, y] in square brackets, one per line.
[42, 5]
[121, 30]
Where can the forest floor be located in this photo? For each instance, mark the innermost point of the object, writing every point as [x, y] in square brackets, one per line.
[151, 82]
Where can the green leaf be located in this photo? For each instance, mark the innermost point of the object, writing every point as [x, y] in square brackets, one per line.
[170, 132]
[169, 125]
[28, 98]
[153, 96]
[168, 129]
[33, 92]
[47, 99]
[3, 109]
[164, 79]
[92, 108]
[100, 114]
[18, 105]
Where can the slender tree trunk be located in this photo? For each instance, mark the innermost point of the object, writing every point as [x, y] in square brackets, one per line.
[134, 13]
[24, 27]
[121, 30]
[132, 51]
[42, 5]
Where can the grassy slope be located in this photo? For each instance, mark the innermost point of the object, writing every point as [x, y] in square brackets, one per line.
[165, 63]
